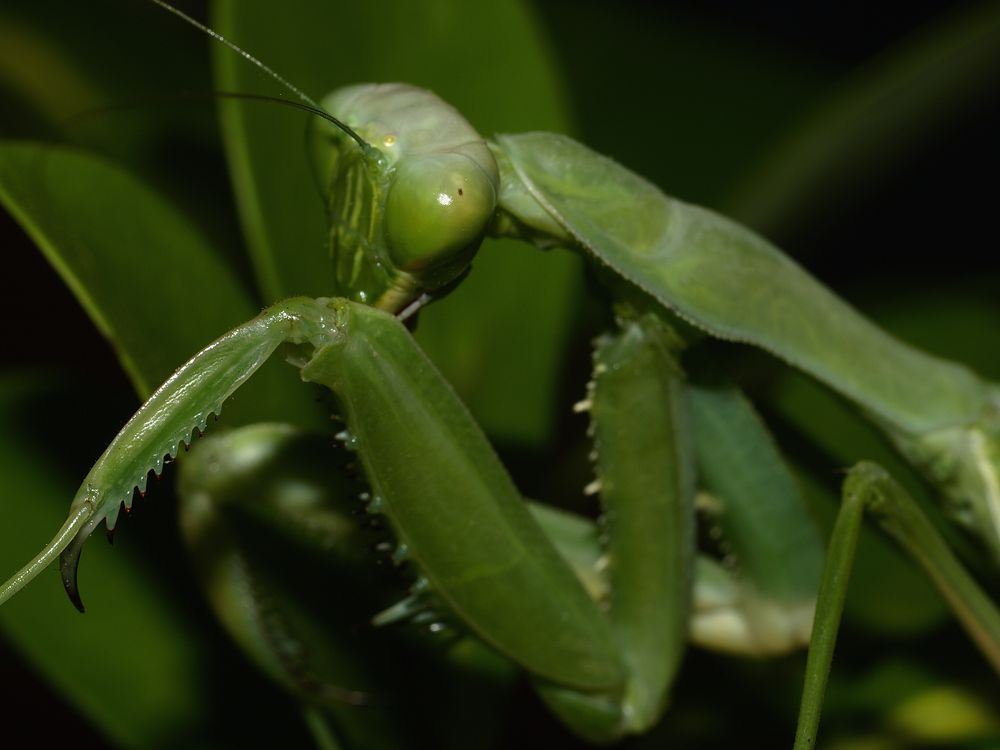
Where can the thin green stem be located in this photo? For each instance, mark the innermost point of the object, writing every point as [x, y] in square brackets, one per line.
[829, 607]
[869, 487]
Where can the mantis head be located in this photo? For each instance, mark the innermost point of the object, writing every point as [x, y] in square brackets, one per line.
[410, 206]
[412, 185]
[436, 213]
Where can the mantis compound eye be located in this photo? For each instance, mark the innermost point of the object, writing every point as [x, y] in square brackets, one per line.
[436, 213]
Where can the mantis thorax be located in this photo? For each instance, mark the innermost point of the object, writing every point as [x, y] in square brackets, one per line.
[408, 213]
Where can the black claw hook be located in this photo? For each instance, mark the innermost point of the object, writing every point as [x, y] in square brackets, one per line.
[69, 564]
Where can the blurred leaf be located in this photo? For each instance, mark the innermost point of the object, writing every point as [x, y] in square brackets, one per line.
[147, 279]
[917, 704]
[137, 664]
[38, 70]
[108, 235]
[486, 59]
[685, 98]
[874, 120]
[945, 714]
[57, 69]
[130, 97]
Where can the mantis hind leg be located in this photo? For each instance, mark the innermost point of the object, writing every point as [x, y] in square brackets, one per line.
[869, 488]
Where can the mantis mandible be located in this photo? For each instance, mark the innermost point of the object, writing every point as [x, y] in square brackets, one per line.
[413, 191]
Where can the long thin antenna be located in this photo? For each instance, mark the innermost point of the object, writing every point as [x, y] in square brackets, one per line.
[315, 107]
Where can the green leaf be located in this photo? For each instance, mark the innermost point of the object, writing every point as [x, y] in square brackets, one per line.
[153, 113]
[141, 271]
[114, 242]
[486, 59]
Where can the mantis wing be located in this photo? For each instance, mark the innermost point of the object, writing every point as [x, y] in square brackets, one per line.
[733, 284]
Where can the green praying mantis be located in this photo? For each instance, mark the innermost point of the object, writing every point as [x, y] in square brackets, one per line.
[599, 623]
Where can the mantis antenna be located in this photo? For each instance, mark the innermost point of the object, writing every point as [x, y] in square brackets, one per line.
[310, 104]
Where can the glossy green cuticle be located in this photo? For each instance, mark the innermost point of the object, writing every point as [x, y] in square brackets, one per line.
[437, 207]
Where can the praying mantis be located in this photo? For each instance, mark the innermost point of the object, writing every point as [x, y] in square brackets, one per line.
[601, 682]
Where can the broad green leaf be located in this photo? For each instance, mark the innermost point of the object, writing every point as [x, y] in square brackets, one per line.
[107, 77]
[488, 60]
[141, 271]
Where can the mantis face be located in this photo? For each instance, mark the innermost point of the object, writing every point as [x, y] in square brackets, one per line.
[407, 213]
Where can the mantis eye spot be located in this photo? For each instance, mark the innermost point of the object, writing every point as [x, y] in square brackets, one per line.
[436, 212]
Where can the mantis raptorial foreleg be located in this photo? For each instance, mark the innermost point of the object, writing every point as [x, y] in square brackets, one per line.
[168, 420]
[645, 469]
[455, 509]
[646, 490]
[645, 478]
[869, 489]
